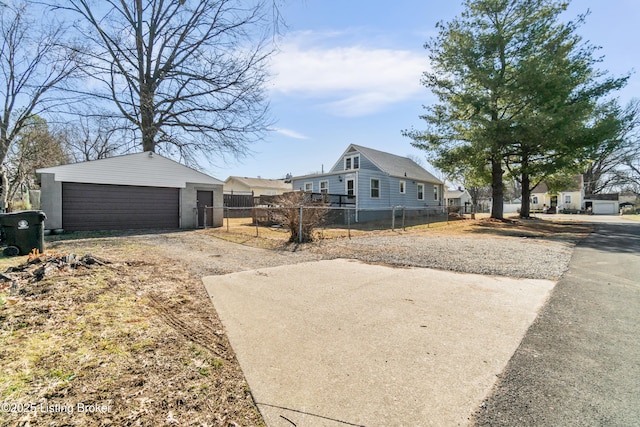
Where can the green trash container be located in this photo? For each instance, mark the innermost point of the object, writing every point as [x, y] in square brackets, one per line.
[24, 231]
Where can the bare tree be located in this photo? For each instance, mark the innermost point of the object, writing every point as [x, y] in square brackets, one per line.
[94, 136]
[33, 63]
[613, 165]
[186, 75]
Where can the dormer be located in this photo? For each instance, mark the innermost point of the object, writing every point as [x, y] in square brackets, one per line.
[352, 161]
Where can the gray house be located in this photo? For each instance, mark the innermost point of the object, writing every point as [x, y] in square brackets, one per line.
[134, 191]
[374, 180]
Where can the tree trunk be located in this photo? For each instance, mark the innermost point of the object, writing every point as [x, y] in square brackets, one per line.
[148, 126]
[4, 188]
[525, 207]
[497, 189]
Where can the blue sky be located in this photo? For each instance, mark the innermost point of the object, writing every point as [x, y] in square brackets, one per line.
[348, 71]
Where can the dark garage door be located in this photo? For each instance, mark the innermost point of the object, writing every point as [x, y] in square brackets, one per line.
[118, 207]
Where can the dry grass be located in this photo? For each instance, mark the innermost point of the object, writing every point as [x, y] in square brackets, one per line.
[137, 338]
[240, 230]
[530, 228]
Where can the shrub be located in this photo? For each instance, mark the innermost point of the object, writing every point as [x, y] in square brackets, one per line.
[287, 214]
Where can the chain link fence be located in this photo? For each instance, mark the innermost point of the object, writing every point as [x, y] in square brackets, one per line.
[349, 218]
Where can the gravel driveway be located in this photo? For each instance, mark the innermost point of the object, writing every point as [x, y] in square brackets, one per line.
[512, 257]
[502, 256]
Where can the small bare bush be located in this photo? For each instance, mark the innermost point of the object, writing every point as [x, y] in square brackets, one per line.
[287, 214]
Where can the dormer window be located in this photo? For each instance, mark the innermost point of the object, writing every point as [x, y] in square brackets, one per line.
[352, 162]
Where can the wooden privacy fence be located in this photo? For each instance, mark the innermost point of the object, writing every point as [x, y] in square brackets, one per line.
[238, 200]
[238, 205]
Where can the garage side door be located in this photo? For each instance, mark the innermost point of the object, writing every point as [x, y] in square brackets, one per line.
[118, 207]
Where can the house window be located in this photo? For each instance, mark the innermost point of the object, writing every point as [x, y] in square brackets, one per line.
[403, 187]
[375, 188]
[324, 186]
[352, 162]
[351, 187]
[567, 199]
[308, 187]
[435, 192]
[534, 200]
[420, 191]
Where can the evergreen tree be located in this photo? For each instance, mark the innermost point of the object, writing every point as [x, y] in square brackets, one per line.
[517, 89]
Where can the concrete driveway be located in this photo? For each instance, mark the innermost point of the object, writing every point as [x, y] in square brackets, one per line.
[335, 343]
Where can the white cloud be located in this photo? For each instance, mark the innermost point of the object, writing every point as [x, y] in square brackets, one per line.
[352, 80]
[290, 133]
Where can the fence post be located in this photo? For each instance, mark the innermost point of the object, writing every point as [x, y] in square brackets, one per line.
[404, 210]
[195, 216]
[393, 218]
[205, 216]
[300, 230]
[227, 208]
[348, 223]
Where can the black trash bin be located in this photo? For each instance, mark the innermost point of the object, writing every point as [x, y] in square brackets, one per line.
[23, 231]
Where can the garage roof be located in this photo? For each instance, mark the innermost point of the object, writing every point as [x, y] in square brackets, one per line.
[141, 169]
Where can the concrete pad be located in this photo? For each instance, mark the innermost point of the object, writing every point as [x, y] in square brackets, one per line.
[335, 343]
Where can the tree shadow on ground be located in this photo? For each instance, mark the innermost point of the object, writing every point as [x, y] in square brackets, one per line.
[533, 228]
[618, 238]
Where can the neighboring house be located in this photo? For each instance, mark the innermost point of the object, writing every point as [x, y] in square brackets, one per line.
[459, 198]
[134, 191]
[257, 186]
[569, 199]
[372, 179]
[573, 199]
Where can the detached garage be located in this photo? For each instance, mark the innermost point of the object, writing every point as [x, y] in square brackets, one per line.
[135, 191]
[602, 204]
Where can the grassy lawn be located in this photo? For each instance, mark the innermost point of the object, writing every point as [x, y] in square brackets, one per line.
[633, 217]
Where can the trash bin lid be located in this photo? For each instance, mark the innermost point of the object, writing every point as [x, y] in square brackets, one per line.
[12, 218]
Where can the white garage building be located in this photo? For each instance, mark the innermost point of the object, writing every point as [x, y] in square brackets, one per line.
[602, 204]
[134, 191]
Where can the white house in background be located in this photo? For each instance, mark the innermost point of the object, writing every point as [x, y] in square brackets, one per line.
[134, 191]
[573, 199]
[459, 197]
[257, 186]
[569, 199]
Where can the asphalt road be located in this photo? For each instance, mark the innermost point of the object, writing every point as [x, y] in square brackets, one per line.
[579, 363]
